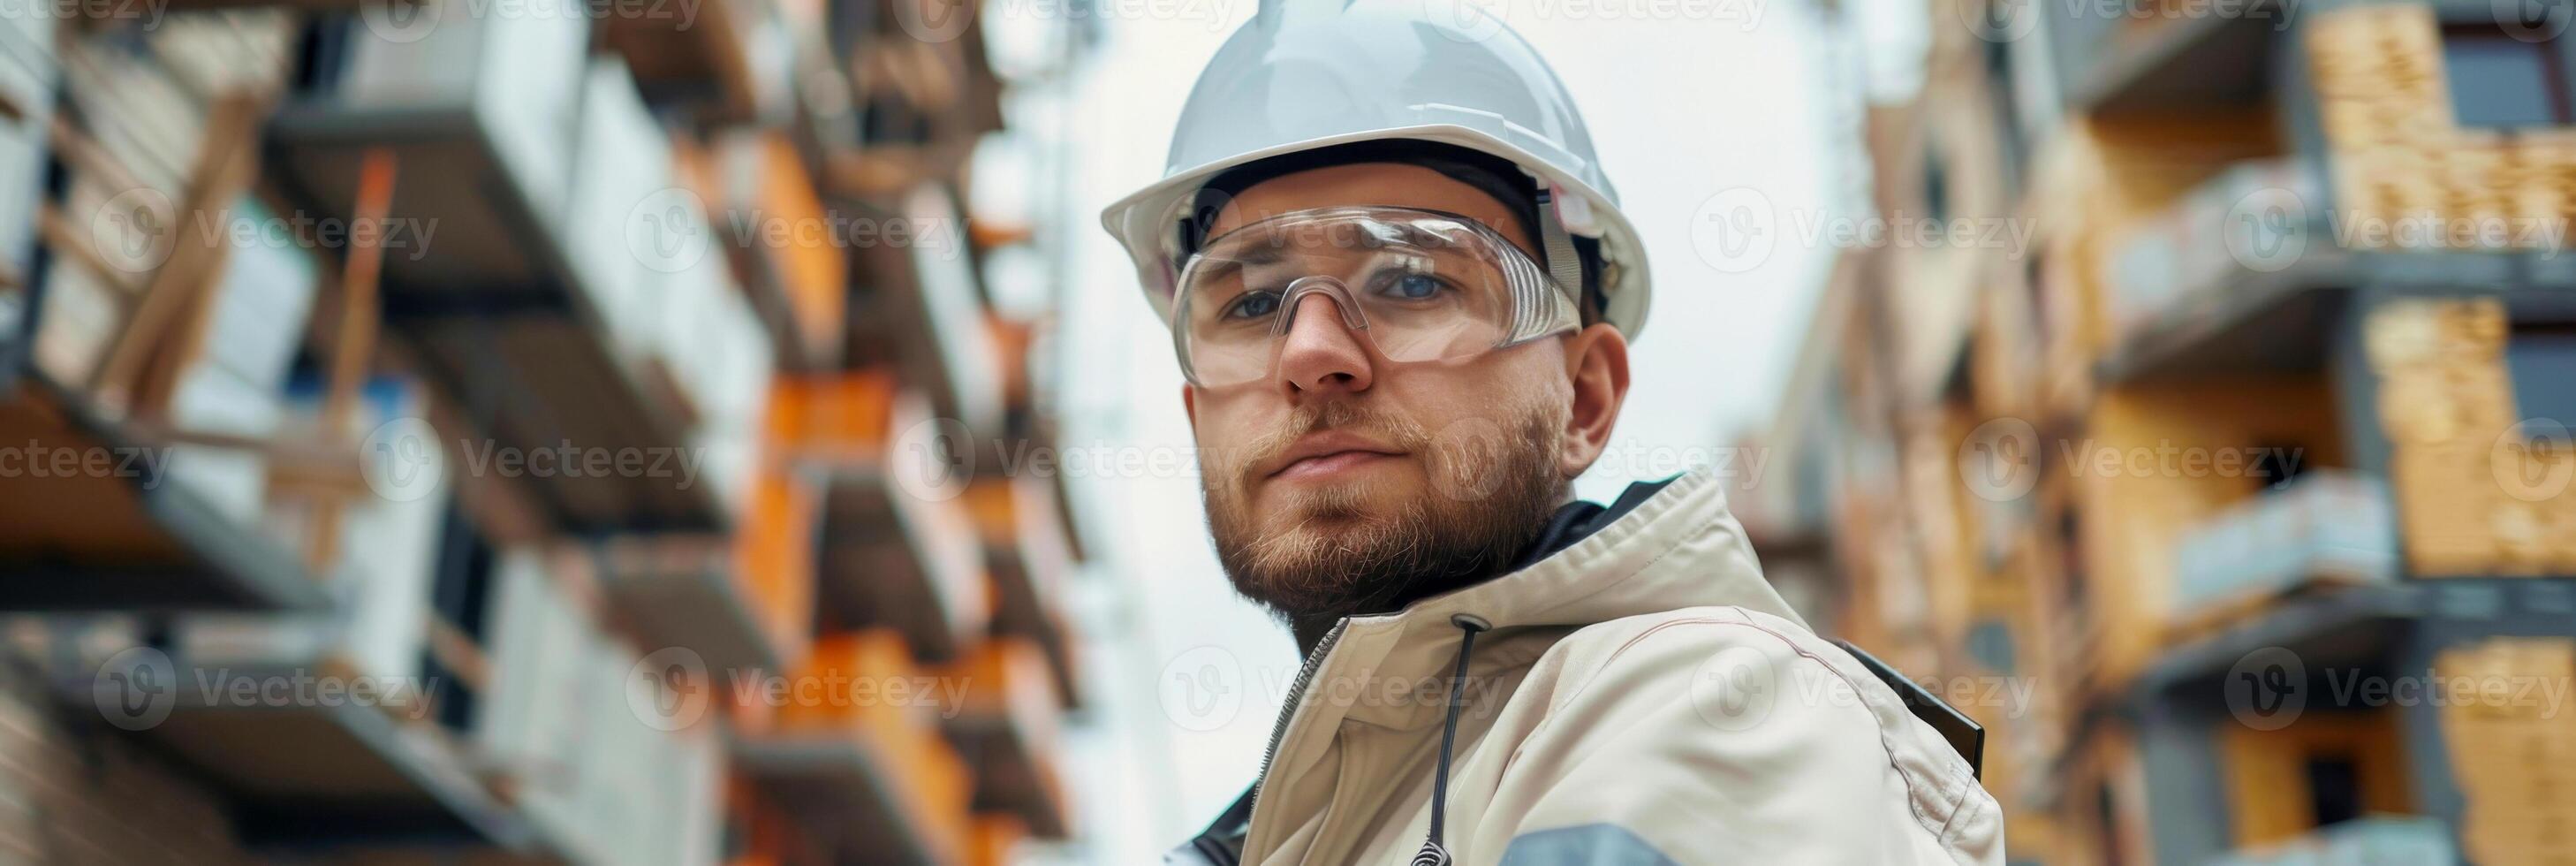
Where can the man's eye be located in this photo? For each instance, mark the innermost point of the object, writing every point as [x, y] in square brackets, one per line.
[1411, 286]
[1253, 305]
[1415, 287]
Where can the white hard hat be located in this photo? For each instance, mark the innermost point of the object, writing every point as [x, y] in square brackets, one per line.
[1310, 74]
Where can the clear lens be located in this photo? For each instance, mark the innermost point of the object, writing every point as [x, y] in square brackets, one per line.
[1422, 286]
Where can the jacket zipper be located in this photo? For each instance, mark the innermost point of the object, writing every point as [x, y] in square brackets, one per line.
[1296, 696]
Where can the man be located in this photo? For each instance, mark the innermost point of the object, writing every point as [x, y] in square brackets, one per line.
[1401, 291]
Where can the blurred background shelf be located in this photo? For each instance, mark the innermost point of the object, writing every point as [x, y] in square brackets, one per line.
[593, 231]
[852, 804]
[1005, 727]
[511, 325]
[2176, 59]
[319, 777]
[2267, 415]
[87, 543]
[685, 592]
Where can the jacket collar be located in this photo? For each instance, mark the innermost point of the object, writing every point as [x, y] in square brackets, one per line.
[1677, 548]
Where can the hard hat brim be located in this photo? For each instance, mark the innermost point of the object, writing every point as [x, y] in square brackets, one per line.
[1147, 222]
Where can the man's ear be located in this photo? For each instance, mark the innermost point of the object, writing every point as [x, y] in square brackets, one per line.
[1190, 405]
[1596, 364]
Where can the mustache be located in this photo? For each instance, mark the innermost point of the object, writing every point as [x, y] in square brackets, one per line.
[1393, 429]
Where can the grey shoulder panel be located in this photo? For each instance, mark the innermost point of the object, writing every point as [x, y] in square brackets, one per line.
[1586, 845]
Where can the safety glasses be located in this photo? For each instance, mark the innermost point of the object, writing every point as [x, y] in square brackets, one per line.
[1418, 285]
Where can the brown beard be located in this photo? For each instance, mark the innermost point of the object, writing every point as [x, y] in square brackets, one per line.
[1333, 557]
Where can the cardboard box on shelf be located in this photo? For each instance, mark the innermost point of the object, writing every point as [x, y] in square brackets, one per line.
[686, 824]
[841, 417]
[26, 117]
[247, 323]
[542, 699]
[233, 481]
[2418, 841]
[618, 765]
[957, 352]
[772, 212]
[251, 49]
[996, 840]
[76, 320]
[262, 301]
[2157, 460]
[2511, 756]
[2327, 527]
[628, 227]
[520, 75]
[2269, 789]
[387, 549]
[842, 687]
[2473, 489]
[775, 556]
[2168, 261]
[719, 359]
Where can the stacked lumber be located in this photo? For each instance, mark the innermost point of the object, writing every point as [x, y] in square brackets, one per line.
[2399, 153]
[2478, 493]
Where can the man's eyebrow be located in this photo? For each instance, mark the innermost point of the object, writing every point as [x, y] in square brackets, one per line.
[1225, 269]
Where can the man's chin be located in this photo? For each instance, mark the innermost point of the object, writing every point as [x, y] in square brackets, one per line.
[1351, 504]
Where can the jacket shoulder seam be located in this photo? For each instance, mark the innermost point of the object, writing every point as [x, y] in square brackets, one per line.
[1940, 830]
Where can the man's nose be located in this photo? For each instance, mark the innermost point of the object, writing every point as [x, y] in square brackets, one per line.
[1321, 352]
